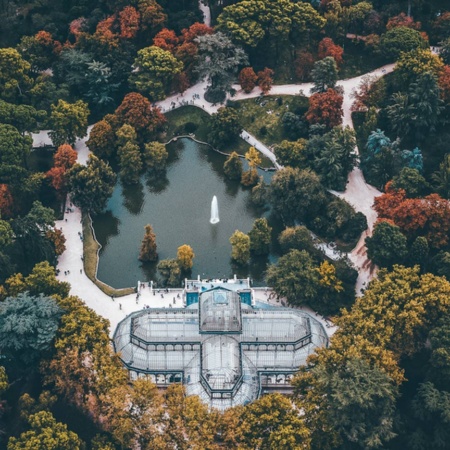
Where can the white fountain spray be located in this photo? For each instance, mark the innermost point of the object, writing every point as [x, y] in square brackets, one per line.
[214, 211]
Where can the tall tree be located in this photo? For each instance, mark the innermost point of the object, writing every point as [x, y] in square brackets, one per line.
[325, 108]
[324, 74]
[224, 127]
[233, 167]
[185, 257]
[400, 39]
[260, 237]
[148, 247]
[155, 156]
[247, 79]
[101, 140]
[240, 247]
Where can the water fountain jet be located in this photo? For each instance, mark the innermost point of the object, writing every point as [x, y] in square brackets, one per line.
[214, 211]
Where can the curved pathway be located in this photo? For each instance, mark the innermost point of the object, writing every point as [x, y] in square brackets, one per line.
[358, 193]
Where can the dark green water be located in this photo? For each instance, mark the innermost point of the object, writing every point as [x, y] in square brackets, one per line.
[178, 206]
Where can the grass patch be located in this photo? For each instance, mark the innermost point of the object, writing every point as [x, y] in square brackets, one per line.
[191, 119]
[90, 252]
[264, 122]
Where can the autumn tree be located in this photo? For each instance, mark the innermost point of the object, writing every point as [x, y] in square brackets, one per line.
[138, 112]
[304, 63]
[260, 237]
[328, 48]
[416, 62]
[291, 153]
[155, 156]
[185, 257]
[14, 78]
[232, 167]
[444, 84]
[40, 50]
[247, 79]
[101, 140]
[325, 108]
[298, 238]
[166, 39]
[250, 176]
[148, 247]
[240, 247]
[129, 19]
[156, 69]
[130, 162]
[91, 185]
[6, 201]
[265, 80]
[170, 272]
[402, 20]
[68, 122]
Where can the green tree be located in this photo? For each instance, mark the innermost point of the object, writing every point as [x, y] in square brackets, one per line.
[218, 60]
[91, 185]
[295, 278]
[148, 247]
[240, 247]
[185, 257]
[224, 127]
[68, 122]
[23, 117]
[260, 237]
[232, 167]
[324, 74]
[296, 194]
[130, 163]
[28, 325]
[101, 140]
[441, 178]
[411, 181]
[155, 156]
[156, 69]
[14, 71]
[298, 238]
[170, 272]
[290, 153]
[293, 125]
[14, 148]
[387, 246]
[400, 39]
[259, 193]
[414, 63]
[418, 253]
[45, 433]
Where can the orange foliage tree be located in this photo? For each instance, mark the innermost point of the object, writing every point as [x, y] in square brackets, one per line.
[247, 79]
[303, 65]
[65, 157]
[56, 236]
[444, 84]
[325, 108]
[104, 33]
[428, 216]
[265, 80]
[152, 16]
[328, 48]
[6, 202]
[166, 39]
[137, 111]
[129, 19]
[402, 20]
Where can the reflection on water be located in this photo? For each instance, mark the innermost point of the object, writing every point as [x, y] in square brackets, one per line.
[177, 204]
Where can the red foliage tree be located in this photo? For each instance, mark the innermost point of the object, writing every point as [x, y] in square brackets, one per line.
[303, 65]
[77, 27]
[65, 157]
[441, 26]
[428, 217]
[328, 48]
[402, 20]
[129, 19]
[325, 108]
[444, 84]
[56, 236]
[195, 30]
[104, 33]
[138, 112]
[265, 80]
[166, 39]
[57, 177]
[181, 82]
[247, 79]
[6, 202]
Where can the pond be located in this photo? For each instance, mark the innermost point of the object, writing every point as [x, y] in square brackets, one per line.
[178, 206]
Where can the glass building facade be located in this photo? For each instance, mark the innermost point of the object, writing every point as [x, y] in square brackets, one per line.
[220, 347]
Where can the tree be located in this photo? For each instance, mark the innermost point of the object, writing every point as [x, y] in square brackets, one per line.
[441, 177]
[240, 247]
[156, 69]
[444, 83]
[294, 277]
[45, 433]
[40, 50]
[28, 325]
[91, 185]
[304, 63]
[296, 194]
[293, 125]
[270, 422]
[260, 237]
[400, 40]
[259, 193]
[387, 246]
[418, 253]
[166, 39]
[23, 117]
[6, 234]
[155, 156]
[327, 48]
[414, 63]
[65, 157]
[130, 163]
[14, 77]
[250, 177]
[247, 79]
[148, 247]
[137, 111]
[6, 201]
[101, 140]
[325, 108]
[290, 153]
[265, 80]
[402, 20]
[129, 19]
[68, 122]
[218, 60]
[324, 75]
[170, 272]
[224, 127]
[232, 167]
[298, 238]
[185, 257]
